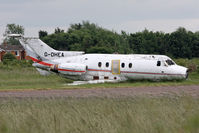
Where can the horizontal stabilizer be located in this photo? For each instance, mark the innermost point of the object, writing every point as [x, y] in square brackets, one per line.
[15, 35]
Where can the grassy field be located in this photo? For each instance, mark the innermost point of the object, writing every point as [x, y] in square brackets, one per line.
[100, 115]
[29, 78]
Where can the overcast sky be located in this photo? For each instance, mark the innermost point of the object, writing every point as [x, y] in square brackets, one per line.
[128, 15]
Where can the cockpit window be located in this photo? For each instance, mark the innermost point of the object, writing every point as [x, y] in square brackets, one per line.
[170, 62]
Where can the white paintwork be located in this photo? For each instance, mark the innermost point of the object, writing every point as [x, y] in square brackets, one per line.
[15, 35]
[80, 66]
[91, 82]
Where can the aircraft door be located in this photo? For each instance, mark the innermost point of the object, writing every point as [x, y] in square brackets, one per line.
[115, 67]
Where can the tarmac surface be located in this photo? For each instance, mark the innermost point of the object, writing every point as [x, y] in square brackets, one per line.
[192, 90]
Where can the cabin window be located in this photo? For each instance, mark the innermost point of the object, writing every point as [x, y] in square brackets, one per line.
[130, 65]
[107, 64]
[106, 77]
[99, 64]
[123, 65]
[158, 63]
[95, 77]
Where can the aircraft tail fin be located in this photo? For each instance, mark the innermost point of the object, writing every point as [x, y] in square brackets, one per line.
[41, 51]
[30, 52]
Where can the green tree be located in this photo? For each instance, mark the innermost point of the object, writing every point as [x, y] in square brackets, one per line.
[9, 56]
[195, 45]
[180, 43]
[42, 34]
[101, 49]
[91, 38]
[57, 41]
[58, 30]
[13, 29]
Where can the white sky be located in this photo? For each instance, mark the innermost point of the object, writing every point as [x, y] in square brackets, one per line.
[128, 15]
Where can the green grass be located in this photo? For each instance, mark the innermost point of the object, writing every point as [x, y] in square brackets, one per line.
[100, 115]
[29, 78]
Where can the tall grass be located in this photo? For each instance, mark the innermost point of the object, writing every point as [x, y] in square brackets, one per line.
[192, 64]
[28, 78]
[100, 115]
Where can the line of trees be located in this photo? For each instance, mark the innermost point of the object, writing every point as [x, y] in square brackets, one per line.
[92, 38]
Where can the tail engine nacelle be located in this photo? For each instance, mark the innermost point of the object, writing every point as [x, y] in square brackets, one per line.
[69, 68]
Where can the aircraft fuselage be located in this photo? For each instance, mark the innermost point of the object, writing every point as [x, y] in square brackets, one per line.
[118, 67]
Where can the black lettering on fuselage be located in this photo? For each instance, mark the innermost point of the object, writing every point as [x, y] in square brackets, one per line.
[54, 54]
[45, 54]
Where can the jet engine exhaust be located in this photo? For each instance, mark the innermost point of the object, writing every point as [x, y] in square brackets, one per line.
[54, 68]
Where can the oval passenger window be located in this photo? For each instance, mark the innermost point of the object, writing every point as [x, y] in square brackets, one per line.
[130, 65]
[99, 64]
[107, 64]
[123, 65]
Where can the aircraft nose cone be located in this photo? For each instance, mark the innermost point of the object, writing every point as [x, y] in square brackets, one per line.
[183, 71]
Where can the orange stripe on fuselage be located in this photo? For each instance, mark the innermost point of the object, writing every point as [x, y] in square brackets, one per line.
[41, 62]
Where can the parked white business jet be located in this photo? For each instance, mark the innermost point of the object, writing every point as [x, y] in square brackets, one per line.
[108, 67]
